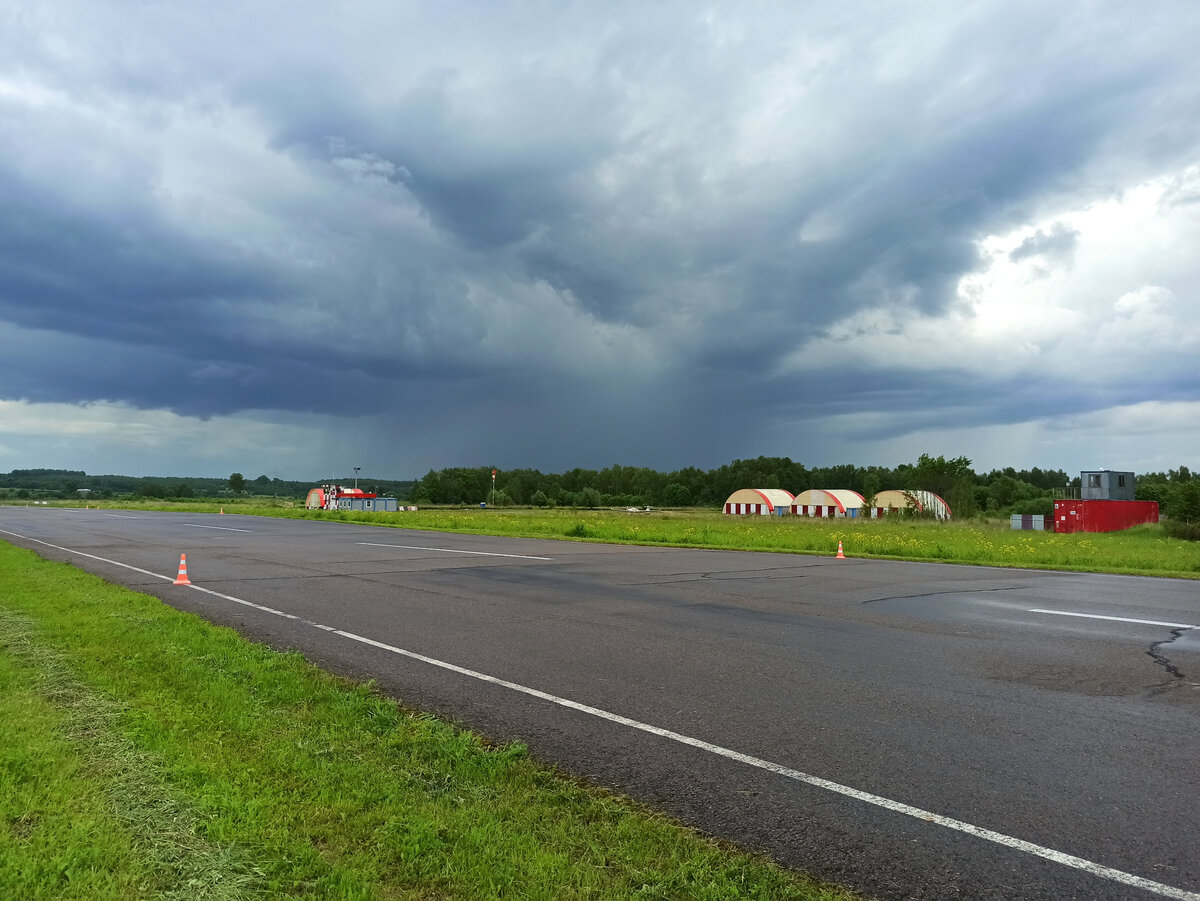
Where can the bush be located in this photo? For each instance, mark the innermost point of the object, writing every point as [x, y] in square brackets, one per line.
[1178, 528]
[1037, 506]
[588, 497]
[1182, 509]
[1183, 502]
[677, 495]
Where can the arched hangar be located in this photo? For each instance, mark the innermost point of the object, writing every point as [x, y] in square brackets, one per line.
[828, 502]
[923, 501]
[759, 502]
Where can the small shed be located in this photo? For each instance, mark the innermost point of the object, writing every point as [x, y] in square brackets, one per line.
[1107, 485]
[336, 497]
[369, 504]
[1032, 522]
[759, 502]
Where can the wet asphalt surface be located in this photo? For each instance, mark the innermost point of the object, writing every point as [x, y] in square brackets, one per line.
[958, 691]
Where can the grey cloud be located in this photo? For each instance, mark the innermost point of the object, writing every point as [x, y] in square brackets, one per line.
[1057, 242]
[720, 190]
[125, 274]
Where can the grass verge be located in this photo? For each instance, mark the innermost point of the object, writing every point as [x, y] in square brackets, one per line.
[148, 754]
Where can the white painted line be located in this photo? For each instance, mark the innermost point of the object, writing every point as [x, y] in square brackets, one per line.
[119, 516]
[1008, 841]
[89, 556]
[196, 525]
[1119, 619]
[452, 550]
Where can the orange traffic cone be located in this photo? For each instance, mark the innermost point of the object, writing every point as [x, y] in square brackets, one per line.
[840, 555]
[182, 578]
[222, 509]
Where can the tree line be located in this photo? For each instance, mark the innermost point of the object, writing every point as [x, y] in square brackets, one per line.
[998, 492]
[21, 484]
[953, 479]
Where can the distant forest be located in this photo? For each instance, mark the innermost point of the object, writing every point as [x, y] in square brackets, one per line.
[996, 493]
[63, 483]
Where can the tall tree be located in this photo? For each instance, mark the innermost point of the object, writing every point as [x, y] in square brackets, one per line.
[952, 480]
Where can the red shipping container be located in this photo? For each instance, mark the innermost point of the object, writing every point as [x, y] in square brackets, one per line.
[1102, 516]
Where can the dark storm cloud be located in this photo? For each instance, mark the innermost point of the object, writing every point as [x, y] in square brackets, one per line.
[120, 274]
[614, 222]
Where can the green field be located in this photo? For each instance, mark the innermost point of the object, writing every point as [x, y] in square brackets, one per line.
[1145, 550]
[147, 754]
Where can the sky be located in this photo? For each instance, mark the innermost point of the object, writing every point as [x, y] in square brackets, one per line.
[295, 238]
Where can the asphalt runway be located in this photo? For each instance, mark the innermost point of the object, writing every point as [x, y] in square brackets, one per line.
[908, 730]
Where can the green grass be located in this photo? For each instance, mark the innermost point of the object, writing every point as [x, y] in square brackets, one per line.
[147, 754]
[1144, 550]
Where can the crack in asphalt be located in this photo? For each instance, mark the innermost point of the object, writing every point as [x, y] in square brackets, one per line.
[727, 575]
[933, 594]
[1162, 659]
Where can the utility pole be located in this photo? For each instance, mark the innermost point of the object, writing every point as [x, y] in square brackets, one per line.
[356, 469]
